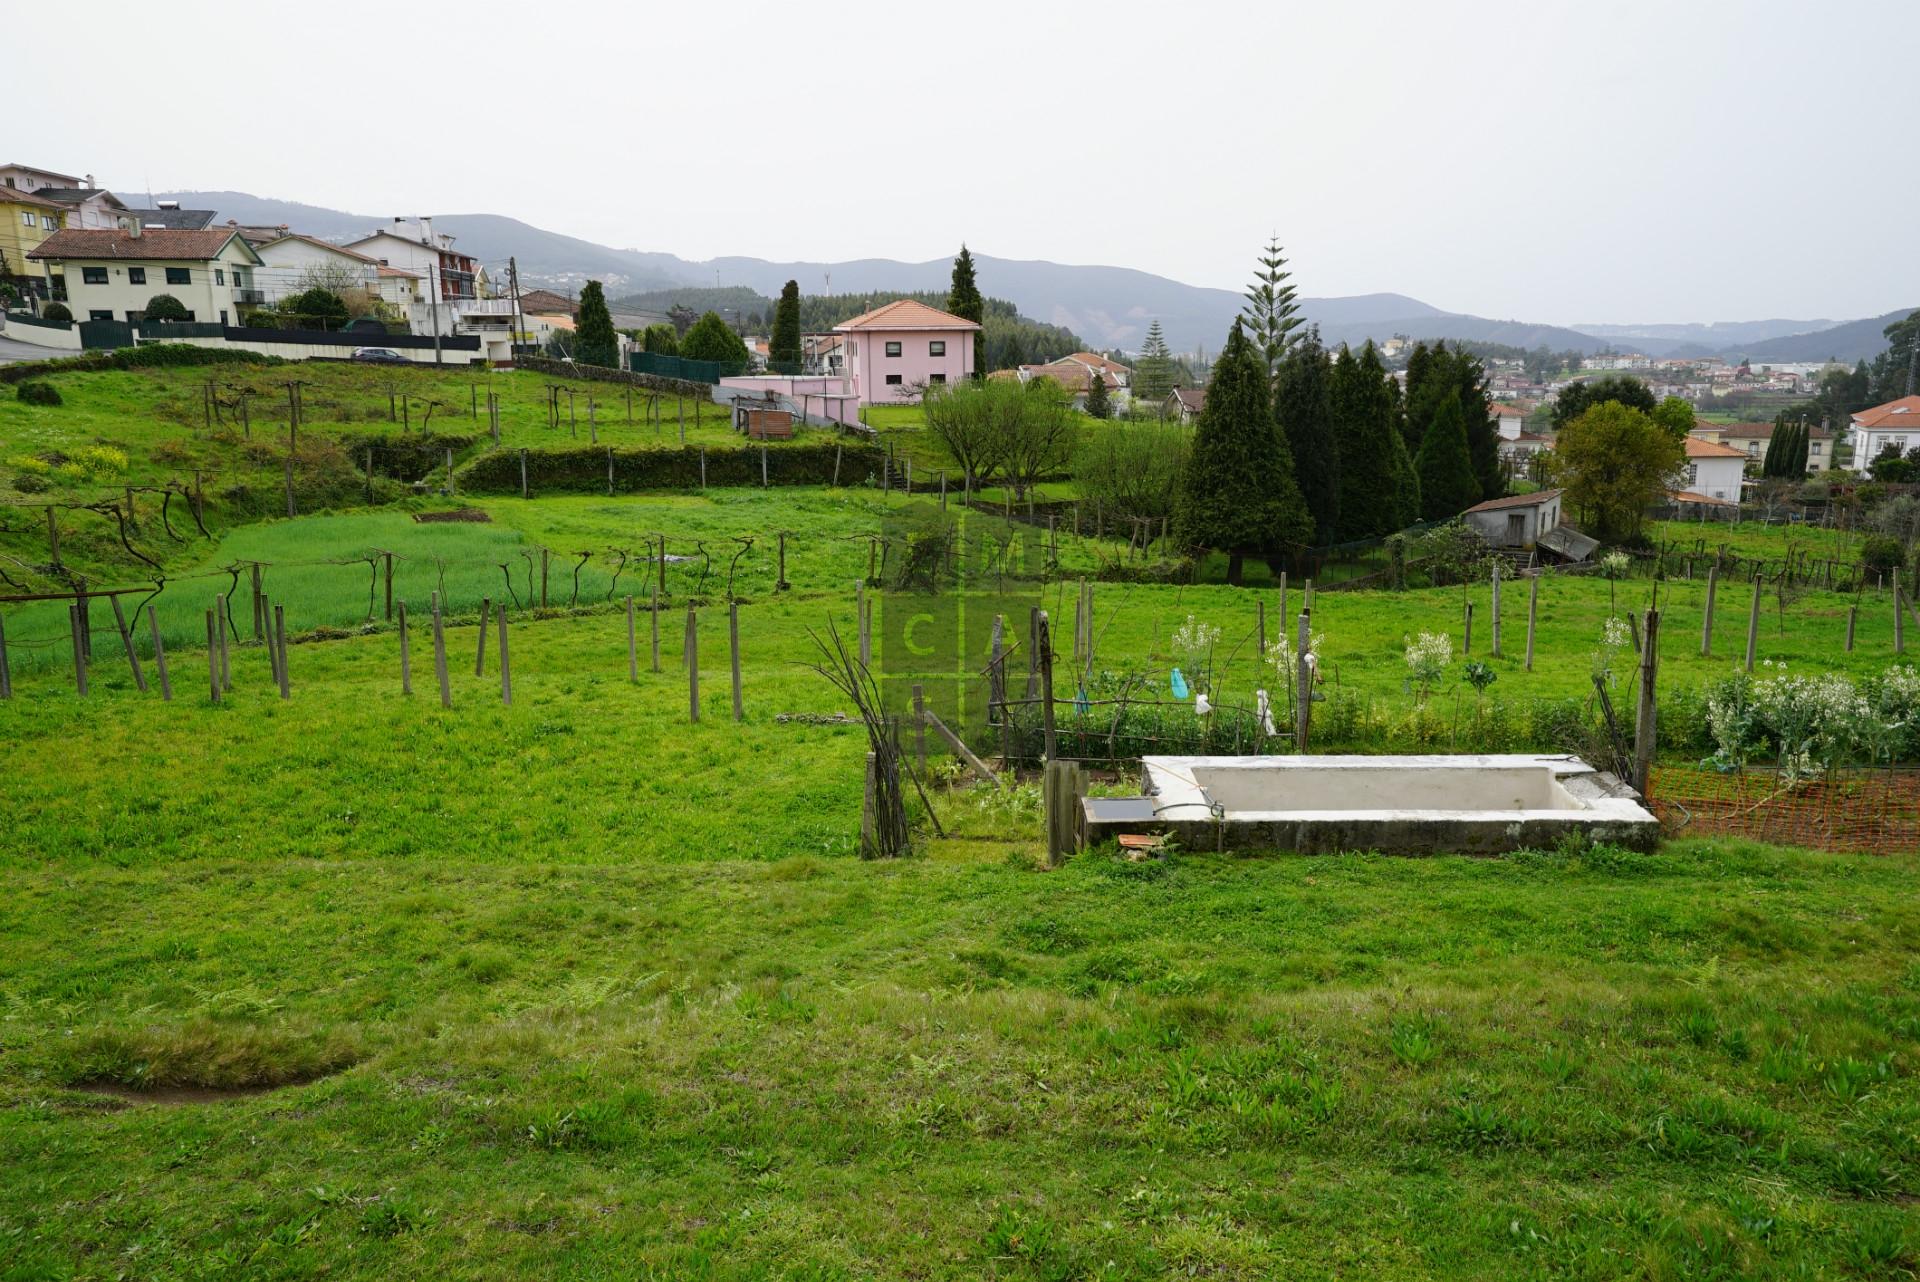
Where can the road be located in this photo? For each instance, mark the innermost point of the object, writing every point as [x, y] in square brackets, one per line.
[15, 351]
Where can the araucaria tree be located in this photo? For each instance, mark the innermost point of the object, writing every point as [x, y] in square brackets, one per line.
[1379, 492]
[1614, 462]
[1272, 313]
[595, 343]
[1153, 374]
[963, 295]
[1447, 485]
[784, 345]
[1238, 493]
[1303, 407]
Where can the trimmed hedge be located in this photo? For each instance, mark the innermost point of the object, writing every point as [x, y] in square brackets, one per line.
[601, 374]
[584, 470]
[147, 356]
[408, 457]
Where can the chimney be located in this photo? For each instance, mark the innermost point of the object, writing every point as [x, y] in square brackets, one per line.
[169, 204]
[133, 228]
[89, 182]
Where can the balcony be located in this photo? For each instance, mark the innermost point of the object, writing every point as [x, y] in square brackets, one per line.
[254, 297]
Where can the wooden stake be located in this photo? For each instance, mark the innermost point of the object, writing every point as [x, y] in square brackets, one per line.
[440, 653]
[653, 612]
[506, 663]
[1466, 643]
[1706, 620]
[690, 655]
[280, 637]
[1303, 673]
[480, 651]
[1645, 720]
[388, 558]
[633, 644]
[1853, 617]
[159, 658]
[259, 612]
[1533, 615]
[6, 672]
[1044, 644]
[543, 578]
[920, 727]
[213, 661]
[223, 616]
[1753, 623]
[865, 621]
[126, 643]
[733, 647]
[79, 649]
[406, 660]
[1899, 619]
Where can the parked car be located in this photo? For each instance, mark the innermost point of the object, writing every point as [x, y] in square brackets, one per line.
[378, 356]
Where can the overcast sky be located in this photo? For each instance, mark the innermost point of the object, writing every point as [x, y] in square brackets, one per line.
[1533, 160]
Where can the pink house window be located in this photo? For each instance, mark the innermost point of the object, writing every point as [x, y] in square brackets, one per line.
[893, 349]
[938, 347]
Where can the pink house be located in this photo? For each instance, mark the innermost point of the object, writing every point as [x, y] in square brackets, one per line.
[895, 352]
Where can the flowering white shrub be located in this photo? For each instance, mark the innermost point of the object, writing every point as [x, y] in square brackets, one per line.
[1194, 640]
[1615, 636]
[1427, 658]
[1280, 652]
[1813, 722]
[1614, 565]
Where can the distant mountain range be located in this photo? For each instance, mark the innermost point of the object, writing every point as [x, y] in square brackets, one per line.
[1111, 307]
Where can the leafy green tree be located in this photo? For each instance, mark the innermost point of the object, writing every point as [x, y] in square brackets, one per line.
[1615, 462]
[1786, 456]
[1576, 399]
[1675, 413]
[712, 339]
[1132, 469]
[1153, 374]
[963, 296]
[1238, 492]
[1272, 312]
[1447, 485]
[595, 342]
[1379, 491]
[1896, 371]
[1099, 404]
[1303, 406]
[784, 345]
[165, 307]
[661, 339]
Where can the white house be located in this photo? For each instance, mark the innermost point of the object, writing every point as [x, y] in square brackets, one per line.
[1714, 470]
[1516, 521]
[1511, 420]
[89, 208]
[1755, 437]
[295, 263]
[1895, 425]
[449, 281]
[112, 275]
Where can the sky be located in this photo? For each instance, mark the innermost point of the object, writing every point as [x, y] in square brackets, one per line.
[1688, 160]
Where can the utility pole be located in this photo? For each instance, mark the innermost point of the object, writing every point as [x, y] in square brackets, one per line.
[433, 297]
[519, 322]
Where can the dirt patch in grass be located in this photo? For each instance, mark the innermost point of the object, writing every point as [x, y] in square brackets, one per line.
[176, 1094]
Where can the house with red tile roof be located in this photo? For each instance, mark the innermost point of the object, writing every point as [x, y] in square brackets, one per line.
[1894, 425]
[1714, 470]
[113, 274]
[895, 352]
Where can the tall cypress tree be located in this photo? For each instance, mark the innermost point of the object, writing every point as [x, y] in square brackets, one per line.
[1303, 408]
[1379, 490]
[1421, 396]
[594, 341]
[784, 344]
[1099, 404]
[1238, 492]
[1447, 485]
[964, 301]
[1272, 312]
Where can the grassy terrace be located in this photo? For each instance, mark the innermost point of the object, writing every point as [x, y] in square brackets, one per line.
[355, 986]
[573, 986]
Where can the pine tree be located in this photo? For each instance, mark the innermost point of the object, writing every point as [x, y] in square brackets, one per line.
[784, 345]
[1272, 313]
[963, 297]
[1238, 492]
[1153, 376]
[1379, 491]
[1303, 407]
[1099, 404]
[1447, 486]
[595, 343]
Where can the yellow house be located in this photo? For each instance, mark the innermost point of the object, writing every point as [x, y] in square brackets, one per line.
[25, 221]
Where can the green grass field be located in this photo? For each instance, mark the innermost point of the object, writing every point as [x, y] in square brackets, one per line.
[351, 985]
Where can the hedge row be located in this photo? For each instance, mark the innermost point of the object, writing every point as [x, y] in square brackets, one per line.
[148, 356]
[410, 456]
[585, 470]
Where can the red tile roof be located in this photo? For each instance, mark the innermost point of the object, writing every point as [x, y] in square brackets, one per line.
[1688, 496]
[906, 313]
[1697, 448]
[1753, 431]
[14, 196]
[1904, 412]
[159, 245]
[1516, 500]
[1192, 399]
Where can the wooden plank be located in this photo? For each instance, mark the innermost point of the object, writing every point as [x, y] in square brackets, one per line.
[159, 658]
[126, 643]
[979, 767]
